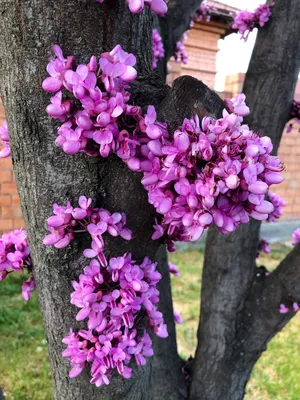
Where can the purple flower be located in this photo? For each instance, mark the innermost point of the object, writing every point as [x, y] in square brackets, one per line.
[181, 55]
[15, 256]
[263, 246]
[278, 203]
[28, 287]
[204, 12]
[283, 309]
[151, 128]
[246, 21]
[67, 221]
[173, 269]
[4, 140]
[157, 6]
[157, 48]
[117, 64]
[110, 298]
[296, 237]
[57, 69]
[294, 117]
[177, 317]
[237, 105]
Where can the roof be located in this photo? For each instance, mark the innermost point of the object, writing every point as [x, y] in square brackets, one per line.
[222, 7]
[223, 14]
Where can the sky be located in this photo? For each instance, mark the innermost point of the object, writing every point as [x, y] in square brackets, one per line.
[234, 54]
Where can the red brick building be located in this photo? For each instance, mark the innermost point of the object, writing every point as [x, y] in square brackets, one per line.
[10, 211]
[202, 48]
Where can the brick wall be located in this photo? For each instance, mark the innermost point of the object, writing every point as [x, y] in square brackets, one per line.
[10, 211]
[202, 48]
[289, 154]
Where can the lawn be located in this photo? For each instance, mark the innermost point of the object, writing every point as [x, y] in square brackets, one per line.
[24, 371]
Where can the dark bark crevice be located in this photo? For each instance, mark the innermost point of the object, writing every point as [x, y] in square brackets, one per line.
[167, 377]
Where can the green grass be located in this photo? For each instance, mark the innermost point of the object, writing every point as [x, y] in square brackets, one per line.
[24, 371]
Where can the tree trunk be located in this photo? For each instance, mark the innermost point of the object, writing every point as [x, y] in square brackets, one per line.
[45, 175]
[228, 344]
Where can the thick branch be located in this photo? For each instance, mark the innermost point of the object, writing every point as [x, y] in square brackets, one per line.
[223, 364]
[187, 97]
[267, 293]
[177, 21]
[46, 175]
[167, 378]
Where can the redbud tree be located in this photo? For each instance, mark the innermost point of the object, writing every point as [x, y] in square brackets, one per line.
[118, 166]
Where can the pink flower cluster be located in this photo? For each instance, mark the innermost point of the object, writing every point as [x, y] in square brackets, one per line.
[4, 141]
[177, 317]
[278, 203]
[111, 299]
[15, 256]
[181, 55]
[110, 294]
[173, 269]
[67, 221]
[263, 247]
[294, 116]
[157, 48]
[159, 7]
[246, 21]
[296, 237]
[204, 12]
[217, 172]
[92, 128]
[284, 309]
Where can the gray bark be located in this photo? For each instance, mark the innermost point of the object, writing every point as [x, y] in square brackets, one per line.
[178, 20]
[235, 322]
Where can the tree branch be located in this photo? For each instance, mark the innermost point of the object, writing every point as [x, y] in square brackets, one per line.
[167, 377]
[185, 98]
[267, 293]
[223, 363]
[45, 175]
[177, 21]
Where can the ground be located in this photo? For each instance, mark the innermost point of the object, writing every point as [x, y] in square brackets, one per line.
[24, 371]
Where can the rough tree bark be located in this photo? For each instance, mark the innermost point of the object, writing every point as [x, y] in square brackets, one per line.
[45, 175]
[238, 313]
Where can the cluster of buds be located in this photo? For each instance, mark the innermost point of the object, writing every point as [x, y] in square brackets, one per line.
[113, 300]
[158, 50]
[159, 7]
[294, 117]
[246, 21]
[117, 297]
[4, 140]
[204, 12]
[68, 220]
[15, 256]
